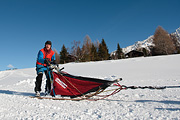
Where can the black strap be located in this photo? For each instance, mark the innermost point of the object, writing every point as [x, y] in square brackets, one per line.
[150, 87]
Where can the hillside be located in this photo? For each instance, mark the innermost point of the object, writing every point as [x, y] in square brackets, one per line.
[17, 85]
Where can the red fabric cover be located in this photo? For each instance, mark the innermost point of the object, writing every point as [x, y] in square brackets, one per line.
[63, 87]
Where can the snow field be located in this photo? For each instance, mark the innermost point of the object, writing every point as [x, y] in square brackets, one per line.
[16, 86]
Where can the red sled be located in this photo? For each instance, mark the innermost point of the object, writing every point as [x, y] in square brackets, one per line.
[72, 86]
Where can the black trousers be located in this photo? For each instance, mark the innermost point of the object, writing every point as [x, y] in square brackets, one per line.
[39, 82]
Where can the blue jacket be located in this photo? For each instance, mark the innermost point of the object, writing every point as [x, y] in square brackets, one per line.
[42, 54]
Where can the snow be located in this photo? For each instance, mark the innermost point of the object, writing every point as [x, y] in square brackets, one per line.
[17, 85]
[177, 34]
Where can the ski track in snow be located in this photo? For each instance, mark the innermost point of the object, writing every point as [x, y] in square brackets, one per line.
[17, 85]
[5, 74]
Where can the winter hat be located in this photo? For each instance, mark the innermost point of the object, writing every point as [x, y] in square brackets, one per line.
[48, 42]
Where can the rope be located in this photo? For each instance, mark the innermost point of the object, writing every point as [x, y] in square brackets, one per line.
[123, 87]
[71, 84]
[51, 80]
[151, 87]
[105, 96]
[53, 67]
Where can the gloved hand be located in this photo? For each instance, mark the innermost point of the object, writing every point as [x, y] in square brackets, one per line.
[47, 62]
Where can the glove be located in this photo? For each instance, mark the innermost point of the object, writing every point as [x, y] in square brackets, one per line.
[47, 62]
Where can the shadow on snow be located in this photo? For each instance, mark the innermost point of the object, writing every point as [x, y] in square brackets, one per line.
[164, 102]
[16, 93]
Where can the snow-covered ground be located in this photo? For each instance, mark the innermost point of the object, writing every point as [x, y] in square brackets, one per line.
[17, 85]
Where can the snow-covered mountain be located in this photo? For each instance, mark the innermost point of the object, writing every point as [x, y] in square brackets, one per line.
[147, 43]
[177, 34]
[140, 44]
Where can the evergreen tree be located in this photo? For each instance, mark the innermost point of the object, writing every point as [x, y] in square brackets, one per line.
[63, 55]
[103, 51]
[93, 53]
[119, 52]
[163, 42]
[100, 52]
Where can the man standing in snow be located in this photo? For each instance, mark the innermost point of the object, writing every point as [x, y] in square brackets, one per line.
[44, 58]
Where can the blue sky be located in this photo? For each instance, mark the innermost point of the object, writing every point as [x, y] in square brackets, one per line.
[25, 25]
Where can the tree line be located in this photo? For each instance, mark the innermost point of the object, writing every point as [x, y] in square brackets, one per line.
[89, 51]
[164, 44]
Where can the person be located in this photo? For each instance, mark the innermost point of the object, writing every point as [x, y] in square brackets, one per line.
[45, 56]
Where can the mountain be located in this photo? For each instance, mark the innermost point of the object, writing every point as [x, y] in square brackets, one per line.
[147, 43]
[140, 44]
[177, 34]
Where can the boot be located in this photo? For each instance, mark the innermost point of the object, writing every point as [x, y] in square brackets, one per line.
[38, 94]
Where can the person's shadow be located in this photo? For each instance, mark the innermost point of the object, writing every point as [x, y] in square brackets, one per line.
[16, 93]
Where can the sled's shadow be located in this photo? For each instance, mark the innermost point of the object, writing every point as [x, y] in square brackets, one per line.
[9, 92]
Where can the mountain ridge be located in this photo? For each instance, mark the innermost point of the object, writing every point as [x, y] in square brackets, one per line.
[147, 43]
